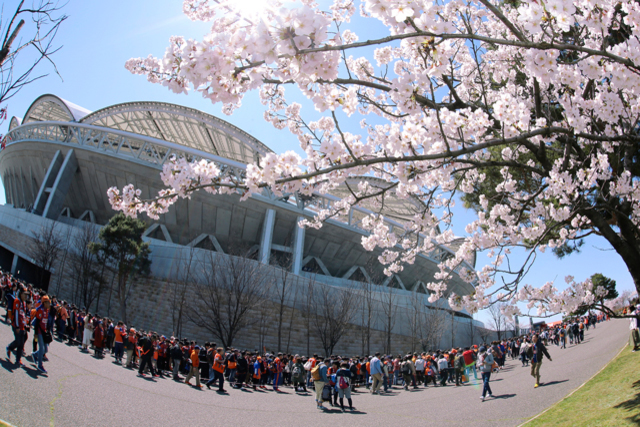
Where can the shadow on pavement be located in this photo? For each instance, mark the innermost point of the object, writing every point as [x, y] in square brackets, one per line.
[503, 396]
[7, 365]
[632, 404]
[33, 373]
[337, 410]
[553, 383]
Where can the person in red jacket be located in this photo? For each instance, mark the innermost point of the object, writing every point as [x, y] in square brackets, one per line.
[194, 371]
[98, 338]
[18, 324]
[470, 361]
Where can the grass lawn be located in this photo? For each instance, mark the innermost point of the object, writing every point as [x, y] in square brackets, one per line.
[611, 398]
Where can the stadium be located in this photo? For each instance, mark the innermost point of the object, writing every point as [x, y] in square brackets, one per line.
[58, 161]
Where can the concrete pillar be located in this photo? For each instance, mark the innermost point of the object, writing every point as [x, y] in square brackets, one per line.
[61, 186]
[14, 264]
[298, 247]
[47, 182]
[267, 236]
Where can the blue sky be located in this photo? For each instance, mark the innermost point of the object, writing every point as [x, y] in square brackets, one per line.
[99, 37]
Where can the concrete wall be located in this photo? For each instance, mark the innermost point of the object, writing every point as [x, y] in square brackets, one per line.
[150, 307]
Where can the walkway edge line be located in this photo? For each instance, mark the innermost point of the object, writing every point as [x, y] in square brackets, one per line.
[582, 385]
[8, 424]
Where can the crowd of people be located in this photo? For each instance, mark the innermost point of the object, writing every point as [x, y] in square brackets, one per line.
[334, 378]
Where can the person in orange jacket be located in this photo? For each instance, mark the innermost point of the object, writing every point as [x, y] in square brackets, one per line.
[194, 371]
[218, 371]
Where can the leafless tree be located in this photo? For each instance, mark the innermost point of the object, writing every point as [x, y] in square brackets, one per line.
[281, 289]
[46, 249]
[179, 287]
[264, 325]
[231, 288]
[415, 318]
[433, 325]
[497, 320]
[66, 244]
[292, 318]
[40, 21]
[365, 295]
[309, 307]
[388, 301]
[334, 309]
[471, 331]
[453, 327]
[85, 266]
[484, 334]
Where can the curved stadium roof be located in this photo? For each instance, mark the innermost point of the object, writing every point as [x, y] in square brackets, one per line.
[164, 121]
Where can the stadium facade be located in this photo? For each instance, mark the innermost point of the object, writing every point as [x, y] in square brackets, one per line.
[59, 160]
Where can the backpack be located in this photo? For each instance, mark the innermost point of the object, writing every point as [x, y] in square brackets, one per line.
[297, 372]
[343, 383]
[530, 352]
[315, 373]
[406, 369]
[326, 393]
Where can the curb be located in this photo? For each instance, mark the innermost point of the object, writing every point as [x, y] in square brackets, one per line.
[3, 423]
[582, 385]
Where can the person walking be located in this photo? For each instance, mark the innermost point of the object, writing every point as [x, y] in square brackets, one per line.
[194, 370]
[176, 357]
[443, 367]
[147, 344]
[376, 373]
[131, 343]
[18, 325]
[88, 333]
[570, 332]
[118, 349]
[485, 363]
[218, 371]
[459, 366]
[537, 351]
[41, 329]
[343, 382]
[634, 337]
[524, 351]
[319, 375]
[563, 337]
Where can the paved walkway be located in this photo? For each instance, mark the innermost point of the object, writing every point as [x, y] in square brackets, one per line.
[83, 391]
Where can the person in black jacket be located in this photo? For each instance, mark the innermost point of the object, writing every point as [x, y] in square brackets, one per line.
[147, 344]
[539, 350]
[242, 368]
[176, 356]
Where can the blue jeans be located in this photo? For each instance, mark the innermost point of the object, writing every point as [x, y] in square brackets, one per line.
[232, 375]
[485, 383]
[119, 350]
[472, 368]
[42, 350]
[62, 325]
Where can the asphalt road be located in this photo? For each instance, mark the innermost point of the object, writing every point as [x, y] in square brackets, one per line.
[82, 391]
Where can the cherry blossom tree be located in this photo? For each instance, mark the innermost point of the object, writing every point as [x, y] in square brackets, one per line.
[539, 99]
